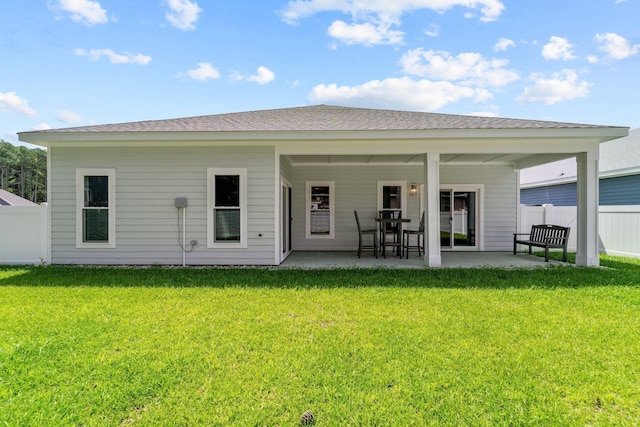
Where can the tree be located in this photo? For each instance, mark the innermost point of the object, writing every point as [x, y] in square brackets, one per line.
[23, 171]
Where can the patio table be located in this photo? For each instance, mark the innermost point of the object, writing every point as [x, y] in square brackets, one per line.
[397, 243]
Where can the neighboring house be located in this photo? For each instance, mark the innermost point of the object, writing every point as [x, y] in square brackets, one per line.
[23, 230]
[555, 183]
[10, 199]
[250, 187]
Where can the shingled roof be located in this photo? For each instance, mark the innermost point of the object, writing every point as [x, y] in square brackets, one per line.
[321, 118]
[10, 199]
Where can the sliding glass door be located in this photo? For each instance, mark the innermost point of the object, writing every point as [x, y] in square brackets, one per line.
[459, 218]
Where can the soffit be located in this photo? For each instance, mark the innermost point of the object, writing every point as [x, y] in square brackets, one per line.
[398, 159]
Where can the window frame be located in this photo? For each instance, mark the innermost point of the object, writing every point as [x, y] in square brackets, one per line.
[110, 173]
[211, 175]
[332, 209]
[403, 195]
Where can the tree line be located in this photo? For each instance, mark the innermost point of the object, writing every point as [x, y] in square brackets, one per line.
[23, 171]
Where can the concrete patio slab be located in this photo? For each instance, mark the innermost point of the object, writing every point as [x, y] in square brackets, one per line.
[301, 259]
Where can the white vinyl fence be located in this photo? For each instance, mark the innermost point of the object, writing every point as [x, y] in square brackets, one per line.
[619, 226]
[620, 230]
[24, 235]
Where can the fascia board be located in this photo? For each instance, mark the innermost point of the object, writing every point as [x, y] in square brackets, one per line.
[549, 182]
[620, 172]
[598, 134]
[569, 179]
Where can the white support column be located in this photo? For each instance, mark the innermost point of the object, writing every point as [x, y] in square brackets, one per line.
[432, 257]
[587, 227]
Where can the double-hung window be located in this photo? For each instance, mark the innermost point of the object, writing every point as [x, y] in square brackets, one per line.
[227, 208]
[95, 208]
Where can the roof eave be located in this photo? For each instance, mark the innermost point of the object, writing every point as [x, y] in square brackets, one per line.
[47, 139]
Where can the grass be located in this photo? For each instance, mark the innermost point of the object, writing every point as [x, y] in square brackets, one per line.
[215, 346]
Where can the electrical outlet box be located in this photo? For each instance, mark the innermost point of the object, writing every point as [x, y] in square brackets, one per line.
[181, 202]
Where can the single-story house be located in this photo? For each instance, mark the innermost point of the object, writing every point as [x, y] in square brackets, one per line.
[247, 188]
[555, 183]
[10, 199]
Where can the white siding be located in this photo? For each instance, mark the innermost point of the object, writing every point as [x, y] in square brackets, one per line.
[286, 171]
[147, 182]
[356, 189]
[500, 200]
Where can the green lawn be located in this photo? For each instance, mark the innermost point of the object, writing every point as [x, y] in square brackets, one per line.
[216, 346]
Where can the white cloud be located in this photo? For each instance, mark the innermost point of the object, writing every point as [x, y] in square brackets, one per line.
[483, 114]
[503, 44]
[114, 58]
[83, 11]
[433, 30]
[367, 34]
[183, 14]
[592, 59]
[41, 126]
[558, 48]
[373, 19]
[11, 136]
[560, 86]
[10, 102]
[401, 93]
[69, 117]
[616, 46]
[466, 68]
[299, 9]
[263, 76]
[205, 71]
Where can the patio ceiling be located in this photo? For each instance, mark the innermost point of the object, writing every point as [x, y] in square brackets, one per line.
[415, 159]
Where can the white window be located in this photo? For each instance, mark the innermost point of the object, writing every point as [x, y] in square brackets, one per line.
[227, 208]
[95, 208]
[392, 195]
[320, 210]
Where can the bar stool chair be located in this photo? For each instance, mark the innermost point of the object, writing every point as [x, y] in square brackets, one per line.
[362, 232]
[406, 239]
[390, 230]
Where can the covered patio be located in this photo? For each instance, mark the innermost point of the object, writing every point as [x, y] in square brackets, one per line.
[329, 260]
[460, 172]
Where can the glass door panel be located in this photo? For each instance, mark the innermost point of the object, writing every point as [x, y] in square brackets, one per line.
[464, 218]
[445, 219]
[285, 217]
[458, 218]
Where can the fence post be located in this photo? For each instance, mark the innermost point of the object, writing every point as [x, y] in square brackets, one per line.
[45, 234]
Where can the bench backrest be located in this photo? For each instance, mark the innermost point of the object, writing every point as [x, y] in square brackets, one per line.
[554, 234]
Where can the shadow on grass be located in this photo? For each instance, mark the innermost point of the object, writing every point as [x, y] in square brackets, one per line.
[619, 272]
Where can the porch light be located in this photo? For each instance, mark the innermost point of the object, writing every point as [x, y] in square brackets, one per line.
[413, 189]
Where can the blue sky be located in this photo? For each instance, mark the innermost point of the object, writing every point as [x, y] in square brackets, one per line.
[79, 62]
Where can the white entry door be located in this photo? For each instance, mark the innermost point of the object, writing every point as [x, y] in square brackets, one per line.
[285, 219]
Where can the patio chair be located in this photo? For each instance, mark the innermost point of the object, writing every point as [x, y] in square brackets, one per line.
[390, 230]
[406, 239]
[369, 231]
